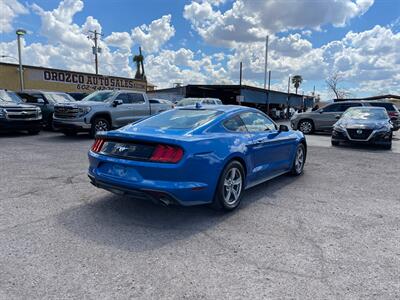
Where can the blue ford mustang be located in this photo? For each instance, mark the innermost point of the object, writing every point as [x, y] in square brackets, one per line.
[196, 155]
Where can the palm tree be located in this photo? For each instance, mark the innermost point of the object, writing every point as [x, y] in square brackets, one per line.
[138, 59]
[297, 80]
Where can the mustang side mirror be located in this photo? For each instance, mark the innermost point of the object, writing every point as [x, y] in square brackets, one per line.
[337, 117]
[40, 101]
[117, 102]
[283, 128]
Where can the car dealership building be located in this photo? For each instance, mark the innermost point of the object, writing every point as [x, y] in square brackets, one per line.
[233, 94]
[48, 79]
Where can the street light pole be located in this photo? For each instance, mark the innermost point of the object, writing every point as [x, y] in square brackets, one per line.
[20, 33]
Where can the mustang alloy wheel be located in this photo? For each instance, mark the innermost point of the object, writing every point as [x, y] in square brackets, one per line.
[230, 187]
[299, 160]
[306, 126]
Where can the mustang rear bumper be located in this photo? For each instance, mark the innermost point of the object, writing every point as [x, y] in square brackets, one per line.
[146, 181]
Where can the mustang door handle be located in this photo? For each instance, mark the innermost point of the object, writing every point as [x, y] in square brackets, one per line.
[260, 141]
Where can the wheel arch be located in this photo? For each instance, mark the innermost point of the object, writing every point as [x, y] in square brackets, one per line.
[303, 141]
[104, 115]
[238, 158]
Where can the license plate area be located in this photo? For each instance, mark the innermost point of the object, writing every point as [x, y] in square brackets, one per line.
[118, 171]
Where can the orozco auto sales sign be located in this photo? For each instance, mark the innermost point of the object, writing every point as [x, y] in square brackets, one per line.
[86, 82]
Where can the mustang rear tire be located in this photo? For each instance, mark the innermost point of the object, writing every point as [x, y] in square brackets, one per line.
[299, 160]
[228, 194]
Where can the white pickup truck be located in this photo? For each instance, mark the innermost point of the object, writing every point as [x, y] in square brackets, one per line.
[104, 110]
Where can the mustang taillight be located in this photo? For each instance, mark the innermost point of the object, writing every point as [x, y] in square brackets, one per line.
[167, 154]
[393, 114]
[98, 144]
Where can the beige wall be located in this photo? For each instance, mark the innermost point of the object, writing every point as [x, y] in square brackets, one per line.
[62, 80]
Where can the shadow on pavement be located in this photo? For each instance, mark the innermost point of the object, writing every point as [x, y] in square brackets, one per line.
[59, 136]
[14, 134]
[364, 147]
[137, 225]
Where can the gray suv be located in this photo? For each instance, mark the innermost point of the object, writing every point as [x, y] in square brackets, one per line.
[102, 111]
[323, 118]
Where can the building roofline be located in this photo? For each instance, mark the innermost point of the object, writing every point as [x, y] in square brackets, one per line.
[387, 96]
[227, 86]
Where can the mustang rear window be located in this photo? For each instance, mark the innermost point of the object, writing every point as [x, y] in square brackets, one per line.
[181, 119]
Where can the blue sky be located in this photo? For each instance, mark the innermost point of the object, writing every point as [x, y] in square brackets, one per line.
[203, 41]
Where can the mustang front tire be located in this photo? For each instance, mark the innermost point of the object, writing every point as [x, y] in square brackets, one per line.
[299, 160]
[230, 187]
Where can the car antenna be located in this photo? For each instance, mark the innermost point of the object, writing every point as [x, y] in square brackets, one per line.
[198, 105]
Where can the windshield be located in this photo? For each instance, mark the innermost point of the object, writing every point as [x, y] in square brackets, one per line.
[59, 98]
[181, 119]
[186, 102]
[192, 101]
[366, 113]
[6, 96]
[98, 96]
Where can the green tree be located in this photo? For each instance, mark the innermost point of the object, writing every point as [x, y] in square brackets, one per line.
[297, 80]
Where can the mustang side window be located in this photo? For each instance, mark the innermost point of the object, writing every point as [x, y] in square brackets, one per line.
[235, 124]
[256, 122]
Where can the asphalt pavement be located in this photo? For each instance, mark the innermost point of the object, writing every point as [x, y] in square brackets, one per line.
[332, 233]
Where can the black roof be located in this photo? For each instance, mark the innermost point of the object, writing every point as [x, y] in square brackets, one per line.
[223, 86]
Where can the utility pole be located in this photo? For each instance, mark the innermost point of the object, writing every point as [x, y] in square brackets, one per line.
[96, 49]
[269, 90]
[265, 73]
[20, 33]
[240, 74]
[269, 79]
[288, 91]
[266, 62]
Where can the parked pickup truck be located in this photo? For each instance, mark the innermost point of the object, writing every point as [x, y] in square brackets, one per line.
[102, 111]
[14, 115]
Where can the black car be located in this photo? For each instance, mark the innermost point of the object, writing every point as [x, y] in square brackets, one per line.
[45, 101]
[15, 116]
[366, 125]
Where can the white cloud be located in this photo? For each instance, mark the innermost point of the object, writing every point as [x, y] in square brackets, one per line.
[369, 61]
[58, 27]
[68, 46]
[119, 39]
[292, 45]
[184, 66]
[250, 20]
[9, 10]
[152, 37]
